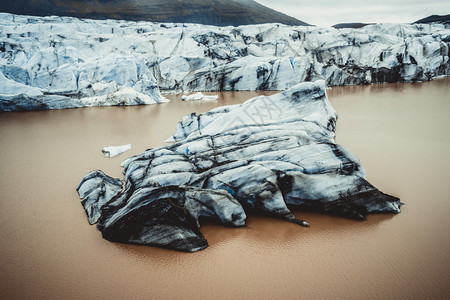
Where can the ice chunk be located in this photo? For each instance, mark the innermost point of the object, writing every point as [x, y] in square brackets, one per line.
[199, 96]
[265, 154]
[112, 151]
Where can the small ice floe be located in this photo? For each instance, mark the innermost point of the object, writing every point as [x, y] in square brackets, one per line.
[199, 96]
[112, 151]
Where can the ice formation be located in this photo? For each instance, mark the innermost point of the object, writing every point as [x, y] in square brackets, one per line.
[61, 62]
[112, 151]
[266, 154]
[199, 96]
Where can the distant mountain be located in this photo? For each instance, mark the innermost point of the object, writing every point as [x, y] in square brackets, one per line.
[350, 25]
[445, 19]
[209, 12]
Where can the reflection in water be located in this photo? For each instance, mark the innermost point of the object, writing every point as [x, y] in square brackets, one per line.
[399, 132]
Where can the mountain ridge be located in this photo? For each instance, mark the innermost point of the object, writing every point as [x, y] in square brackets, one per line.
[444, 19]
[207, 12]
[353, 25]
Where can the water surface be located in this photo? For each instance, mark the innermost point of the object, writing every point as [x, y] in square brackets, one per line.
[400, 132]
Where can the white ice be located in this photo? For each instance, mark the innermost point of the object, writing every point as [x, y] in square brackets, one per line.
[199, 96]
[112, 151]
[59, 62]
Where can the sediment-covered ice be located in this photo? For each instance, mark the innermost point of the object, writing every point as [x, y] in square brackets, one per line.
[266, 154]
[59, 62]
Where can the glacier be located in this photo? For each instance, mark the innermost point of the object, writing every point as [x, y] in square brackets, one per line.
[267, 155]
[63, 62]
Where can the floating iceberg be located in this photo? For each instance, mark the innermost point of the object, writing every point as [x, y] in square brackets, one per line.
[199, 96]
[60, 62]
[266, 154]
[112, 151]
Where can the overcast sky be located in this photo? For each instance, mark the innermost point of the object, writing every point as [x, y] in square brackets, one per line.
[330, 12]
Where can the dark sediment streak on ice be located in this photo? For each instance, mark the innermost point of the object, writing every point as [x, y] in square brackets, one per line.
[59, 62]
[265, 155]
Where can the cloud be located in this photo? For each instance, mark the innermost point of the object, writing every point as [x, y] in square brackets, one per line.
[327, 12]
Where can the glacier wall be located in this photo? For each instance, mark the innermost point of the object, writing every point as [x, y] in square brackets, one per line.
[62, 62]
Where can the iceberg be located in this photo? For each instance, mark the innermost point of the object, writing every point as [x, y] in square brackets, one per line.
[62, 62]
[199, 96]
[112, 151]
[267, 155]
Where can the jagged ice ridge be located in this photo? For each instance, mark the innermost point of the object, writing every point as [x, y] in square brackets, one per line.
[62, 62]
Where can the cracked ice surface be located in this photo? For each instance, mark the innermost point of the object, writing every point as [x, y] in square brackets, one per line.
[264, 155]
[60, 62]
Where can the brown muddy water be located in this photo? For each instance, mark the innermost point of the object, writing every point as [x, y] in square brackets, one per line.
[48, 250]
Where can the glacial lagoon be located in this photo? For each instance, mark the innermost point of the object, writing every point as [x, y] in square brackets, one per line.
[398, 131]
